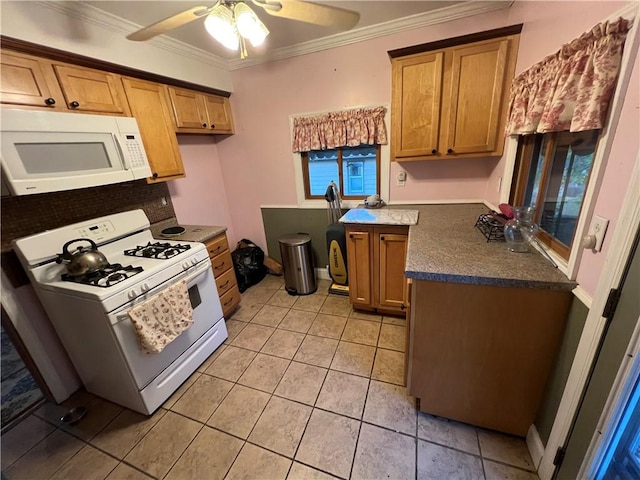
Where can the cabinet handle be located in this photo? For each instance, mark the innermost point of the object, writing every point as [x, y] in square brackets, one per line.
[382, 238]
[204, 125]
[450, 150]
[351, 235]
[219, 266]
[50, 101]
[434, 151]
[74, 104]
[227, 303]
[225, 284]
[155, 175]
[216, 250]
[402, 307]
[213, 125]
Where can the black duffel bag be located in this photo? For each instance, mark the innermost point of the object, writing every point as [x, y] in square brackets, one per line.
[248, 263]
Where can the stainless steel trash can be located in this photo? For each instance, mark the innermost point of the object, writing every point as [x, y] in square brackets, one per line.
[297, 262]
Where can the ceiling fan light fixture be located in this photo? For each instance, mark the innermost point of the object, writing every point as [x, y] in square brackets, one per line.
[220, 25]
[249, 25]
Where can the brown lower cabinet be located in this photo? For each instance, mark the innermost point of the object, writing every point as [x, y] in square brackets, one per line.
[376, 258]
[224, 273]
[482, 354]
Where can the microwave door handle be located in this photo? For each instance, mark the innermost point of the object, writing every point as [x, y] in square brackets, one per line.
[123, 157]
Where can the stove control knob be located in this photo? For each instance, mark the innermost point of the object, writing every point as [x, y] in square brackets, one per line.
[132, 294]
[185, 266]
[194, 261]
[145, 287]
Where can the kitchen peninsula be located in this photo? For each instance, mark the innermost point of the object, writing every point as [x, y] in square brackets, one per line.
[484, 324]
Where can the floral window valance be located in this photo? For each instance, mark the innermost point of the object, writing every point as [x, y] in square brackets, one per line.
[346, 128]
[571, 89]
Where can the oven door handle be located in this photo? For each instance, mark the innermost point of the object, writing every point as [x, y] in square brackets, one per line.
[191, 276]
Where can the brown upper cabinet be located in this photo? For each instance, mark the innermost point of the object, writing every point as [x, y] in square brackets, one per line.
[452, 102]
[196, 112]
[151, 107]
[29, 81]
[91, 91]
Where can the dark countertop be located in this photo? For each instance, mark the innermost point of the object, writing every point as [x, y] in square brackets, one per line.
[445, 246]
[192, 233]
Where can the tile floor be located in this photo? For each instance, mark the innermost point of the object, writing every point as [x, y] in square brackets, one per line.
[303, 388]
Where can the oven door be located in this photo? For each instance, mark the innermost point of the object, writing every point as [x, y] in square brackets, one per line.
[206, 313]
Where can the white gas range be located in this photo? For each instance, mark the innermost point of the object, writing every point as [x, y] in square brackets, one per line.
[90, 313]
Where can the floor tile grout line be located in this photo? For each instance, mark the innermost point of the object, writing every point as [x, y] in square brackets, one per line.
[37, 443]
[355, 450]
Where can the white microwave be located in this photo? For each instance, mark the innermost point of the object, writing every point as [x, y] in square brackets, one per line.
[55, 151]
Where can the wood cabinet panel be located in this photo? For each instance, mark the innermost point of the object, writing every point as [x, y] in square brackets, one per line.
[477, 91]
[451, 103]
[149, 103]
[28, 81]
[188, 109]
[197, 112]
[359, 266]
[226, 281]
[376, 260]
[218, 245]
[482, 354]
[219, 113]
[91, 91]
[230, 301]
[417, 96]
[224, 273]
[392, 258]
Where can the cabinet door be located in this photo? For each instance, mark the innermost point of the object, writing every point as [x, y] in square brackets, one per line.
[28, 81]
[150, 106]
[188, 109]
[359, 265]
[415, 111]
[477, 86]
[392, 283]
[218, 113]
[93, 91]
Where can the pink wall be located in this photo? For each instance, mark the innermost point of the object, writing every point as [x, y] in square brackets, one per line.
[623, 156]
[201, 198]
[257, 163]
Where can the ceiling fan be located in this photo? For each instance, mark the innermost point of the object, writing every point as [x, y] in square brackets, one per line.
[231, 22]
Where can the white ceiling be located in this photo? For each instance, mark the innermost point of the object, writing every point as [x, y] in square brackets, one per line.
[284, 33]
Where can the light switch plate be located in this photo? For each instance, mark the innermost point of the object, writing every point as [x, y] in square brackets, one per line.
[401, 178]
[598, 229]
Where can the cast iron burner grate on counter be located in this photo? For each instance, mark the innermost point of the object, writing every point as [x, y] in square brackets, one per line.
[105, 277]
[161, 251]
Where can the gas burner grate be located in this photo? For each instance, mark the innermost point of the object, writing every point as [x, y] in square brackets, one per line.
[106, 277]
[157, 250]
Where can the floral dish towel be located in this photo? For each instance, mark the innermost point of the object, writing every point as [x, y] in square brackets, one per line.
[159, 320]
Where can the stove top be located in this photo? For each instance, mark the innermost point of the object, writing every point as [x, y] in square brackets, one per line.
[161, 251]
[106, 277]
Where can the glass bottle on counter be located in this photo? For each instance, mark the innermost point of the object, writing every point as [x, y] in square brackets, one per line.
[520, 228]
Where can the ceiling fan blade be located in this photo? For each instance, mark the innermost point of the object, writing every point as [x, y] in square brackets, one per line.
[308, 12]
[169, 23]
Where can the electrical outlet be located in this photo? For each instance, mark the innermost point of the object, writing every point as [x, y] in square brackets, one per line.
[401, 179]
[598, 229]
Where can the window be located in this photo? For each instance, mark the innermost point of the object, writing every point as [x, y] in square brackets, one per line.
[552, 173]
[356, 171]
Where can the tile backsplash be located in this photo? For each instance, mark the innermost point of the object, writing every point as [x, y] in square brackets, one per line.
[29, 214]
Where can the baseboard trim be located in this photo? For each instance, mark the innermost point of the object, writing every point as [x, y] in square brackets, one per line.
[535, 445]
[322, 274]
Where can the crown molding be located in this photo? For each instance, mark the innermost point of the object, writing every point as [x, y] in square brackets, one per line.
[441, 15]
[94, 16]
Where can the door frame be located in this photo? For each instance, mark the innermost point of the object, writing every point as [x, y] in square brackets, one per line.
[621, 391]
[621, 244]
